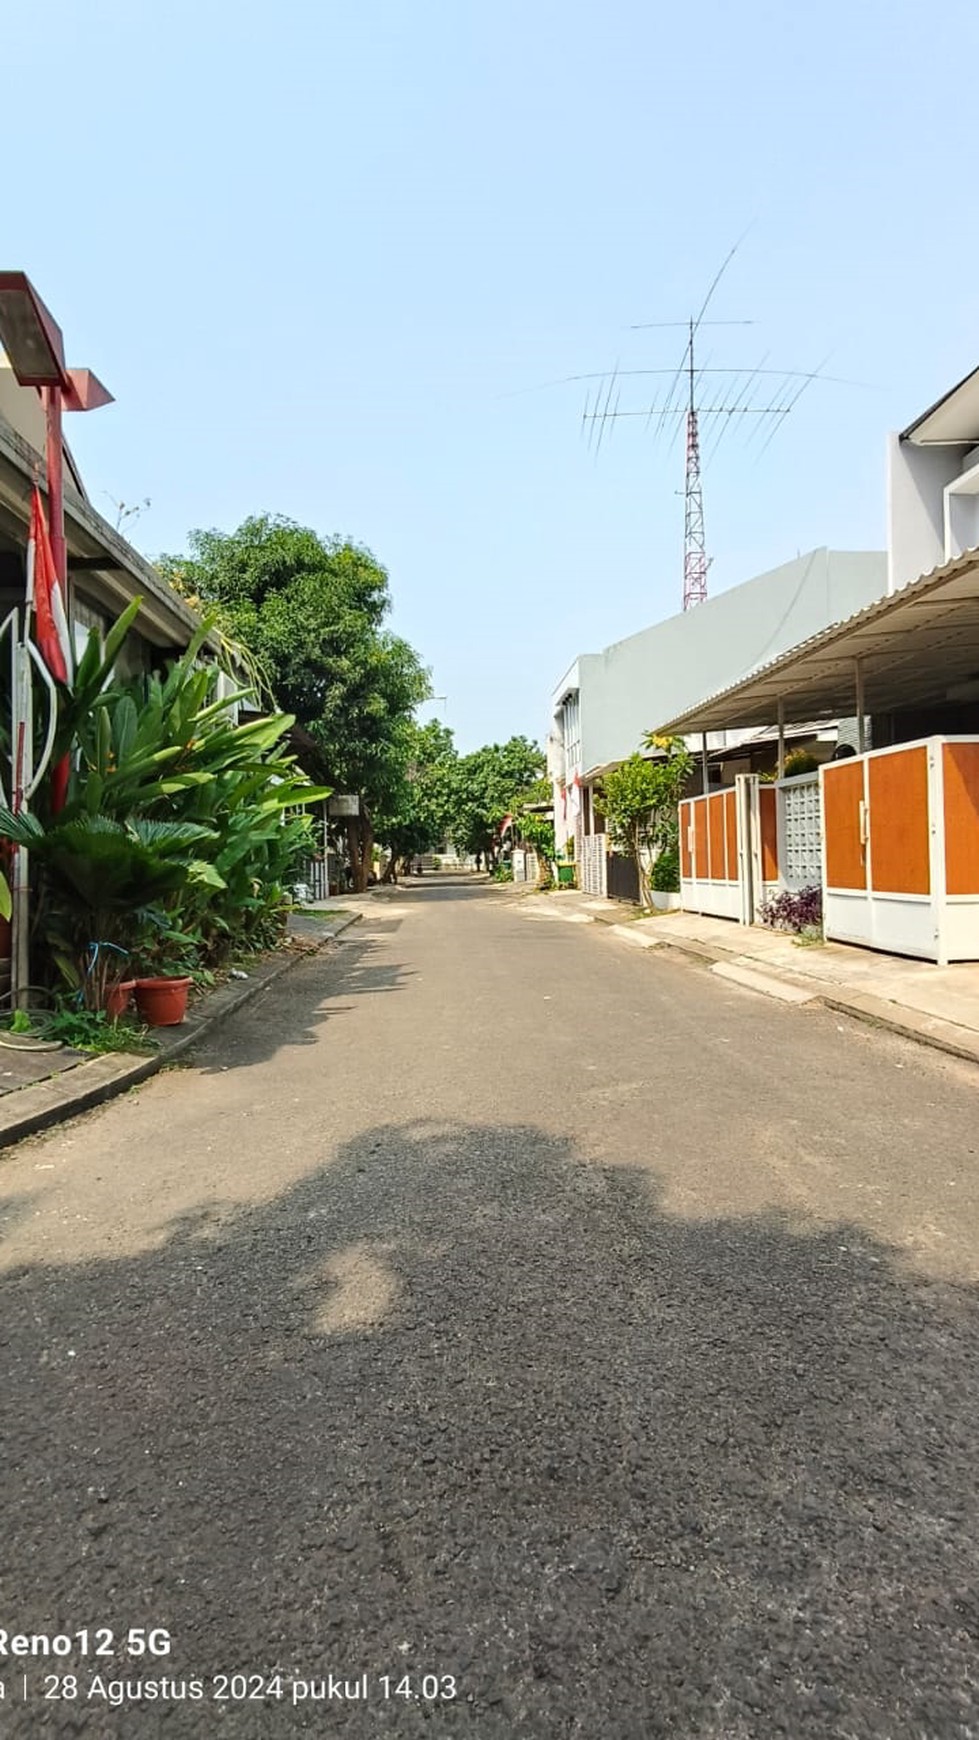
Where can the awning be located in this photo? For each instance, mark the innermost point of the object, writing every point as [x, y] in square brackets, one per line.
[917, 647]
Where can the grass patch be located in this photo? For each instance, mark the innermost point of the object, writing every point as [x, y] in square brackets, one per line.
[810, 937]
[95, 1034]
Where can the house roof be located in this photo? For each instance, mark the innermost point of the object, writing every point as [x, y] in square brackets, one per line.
[953, 421]
[918, 646]
[114, 573]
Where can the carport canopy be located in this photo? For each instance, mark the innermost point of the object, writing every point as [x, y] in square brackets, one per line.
[916, 647]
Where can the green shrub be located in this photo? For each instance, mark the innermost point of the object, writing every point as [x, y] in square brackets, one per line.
[665, 878]
[800, 761]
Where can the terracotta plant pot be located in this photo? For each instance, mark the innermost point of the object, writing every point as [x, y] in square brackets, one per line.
[117, 998]
[162, 1002]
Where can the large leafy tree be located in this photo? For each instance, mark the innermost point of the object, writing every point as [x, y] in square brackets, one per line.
[313, 611]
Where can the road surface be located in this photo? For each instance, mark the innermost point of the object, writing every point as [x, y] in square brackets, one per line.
[493, 1309]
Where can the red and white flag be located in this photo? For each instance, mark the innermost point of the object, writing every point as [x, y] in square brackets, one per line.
[44, 594]
[45, 597]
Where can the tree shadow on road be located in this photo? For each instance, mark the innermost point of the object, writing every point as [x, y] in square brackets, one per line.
[286, 1015]
[461, 1402]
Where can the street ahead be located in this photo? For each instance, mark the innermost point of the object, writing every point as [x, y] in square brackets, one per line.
[492, 1308]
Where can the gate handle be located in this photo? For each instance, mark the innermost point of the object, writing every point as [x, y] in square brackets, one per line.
[864, 813]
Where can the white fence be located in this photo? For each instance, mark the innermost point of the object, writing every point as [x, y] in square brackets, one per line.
[593, 864]
[524, 864]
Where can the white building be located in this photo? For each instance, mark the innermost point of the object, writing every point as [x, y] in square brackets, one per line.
[933, 486]
[607, 701]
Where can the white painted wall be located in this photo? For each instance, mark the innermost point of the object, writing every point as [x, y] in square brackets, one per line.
[638, 684]
[916, 481]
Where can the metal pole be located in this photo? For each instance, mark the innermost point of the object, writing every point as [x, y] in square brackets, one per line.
[781, 738]
[56, 498]
[22, 757]
[861, 721]
[703, 758]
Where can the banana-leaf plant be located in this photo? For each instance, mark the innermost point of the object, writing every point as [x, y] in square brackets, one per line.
[163, 750]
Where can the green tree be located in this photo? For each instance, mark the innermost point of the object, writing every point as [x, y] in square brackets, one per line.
[641, 800]
[313, 612]
[485, 787]
[416, 817]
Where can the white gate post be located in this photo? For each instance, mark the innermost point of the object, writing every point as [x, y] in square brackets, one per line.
[748, 833]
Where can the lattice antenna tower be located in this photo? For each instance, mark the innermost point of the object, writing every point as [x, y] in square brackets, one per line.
[720, 396]
[695, 558]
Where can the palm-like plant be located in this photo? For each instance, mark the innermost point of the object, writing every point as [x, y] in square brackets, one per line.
[104, 885]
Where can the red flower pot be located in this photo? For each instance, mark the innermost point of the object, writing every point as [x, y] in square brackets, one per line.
[117, 998]
[162, 1002]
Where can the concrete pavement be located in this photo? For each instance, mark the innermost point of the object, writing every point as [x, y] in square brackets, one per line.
[937, 1005]
[50, 1087]
[487, 1310]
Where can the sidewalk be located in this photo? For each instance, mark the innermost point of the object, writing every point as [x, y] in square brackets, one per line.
[71, 1083]
[938, 1005]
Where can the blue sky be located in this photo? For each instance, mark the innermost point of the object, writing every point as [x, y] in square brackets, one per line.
[318, 251]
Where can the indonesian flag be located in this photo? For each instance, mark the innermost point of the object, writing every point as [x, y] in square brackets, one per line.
[44, 593]
[53, 637]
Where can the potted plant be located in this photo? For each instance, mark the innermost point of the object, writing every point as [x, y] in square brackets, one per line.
[118, 998]
[664, 882]
[641, 799]
[104, 882]
[163, 1002]
[168, 961]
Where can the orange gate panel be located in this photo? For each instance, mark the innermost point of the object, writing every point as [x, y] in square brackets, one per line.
[686, 862]
[730, 836]
[768, 816]
[961, 777]
[700, 837]
[715, 837]
[842, 796]
[898, 794]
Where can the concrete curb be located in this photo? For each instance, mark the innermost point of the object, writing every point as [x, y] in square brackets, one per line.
[29, 1110]
[766, 984]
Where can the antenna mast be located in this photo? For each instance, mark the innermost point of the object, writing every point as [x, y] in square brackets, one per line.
[764, 396]
[695, 558]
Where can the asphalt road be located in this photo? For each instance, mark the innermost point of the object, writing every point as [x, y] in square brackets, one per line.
[492, 1305]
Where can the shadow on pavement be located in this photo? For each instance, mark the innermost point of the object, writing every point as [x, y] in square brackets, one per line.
[245, 1040]
[463, 1404]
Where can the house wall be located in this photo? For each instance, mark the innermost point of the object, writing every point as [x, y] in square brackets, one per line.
[566, 750]
[636, 684]
[916, 481]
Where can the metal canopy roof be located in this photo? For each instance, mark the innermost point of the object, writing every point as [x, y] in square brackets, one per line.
[953, 421]
[917, 647]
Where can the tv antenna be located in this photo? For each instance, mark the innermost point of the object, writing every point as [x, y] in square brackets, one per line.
[721, 396]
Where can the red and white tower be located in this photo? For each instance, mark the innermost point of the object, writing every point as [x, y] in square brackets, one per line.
[695, 558]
